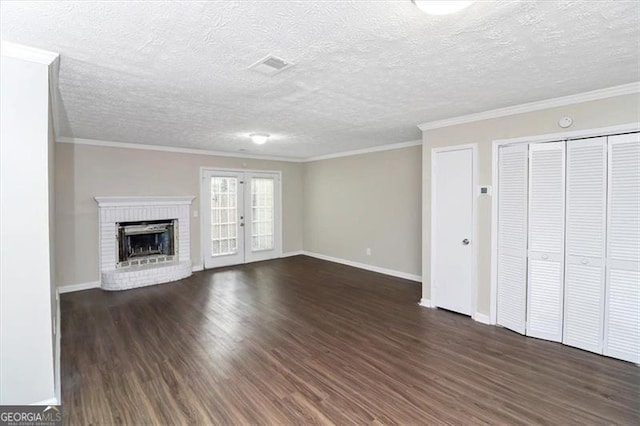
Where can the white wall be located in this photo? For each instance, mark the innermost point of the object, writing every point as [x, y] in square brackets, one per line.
[365, 201]
[587, 115]
[26, 308]
[337, 206]
[84, 172]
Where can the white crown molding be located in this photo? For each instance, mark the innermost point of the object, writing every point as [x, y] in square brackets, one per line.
[27, 53]
[146, 147]
[162, 148]
[365, 150]
[385, 271]
[168, 200]
[625, 89]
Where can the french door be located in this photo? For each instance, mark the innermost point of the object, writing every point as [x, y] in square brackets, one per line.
[240, 217]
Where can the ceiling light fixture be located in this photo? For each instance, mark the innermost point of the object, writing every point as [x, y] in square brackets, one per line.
[259, 138]
[441, 7]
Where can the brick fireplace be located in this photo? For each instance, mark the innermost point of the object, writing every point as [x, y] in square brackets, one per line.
[143, 240]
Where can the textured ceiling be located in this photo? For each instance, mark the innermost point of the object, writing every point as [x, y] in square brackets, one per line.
[366, 73]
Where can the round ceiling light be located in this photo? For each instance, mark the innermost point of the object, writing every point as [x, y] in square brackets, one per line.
[259, 138]
[441, 7]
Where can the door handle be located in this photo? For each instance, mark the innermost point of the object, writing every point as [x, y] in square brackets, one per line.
[465, 241]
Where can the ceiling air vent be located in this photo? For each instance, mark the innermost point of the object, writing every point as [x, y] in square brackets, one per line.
[270, 65]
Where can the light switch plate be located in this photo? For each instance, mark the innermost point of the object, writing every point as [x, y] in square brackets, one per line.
[485, 190]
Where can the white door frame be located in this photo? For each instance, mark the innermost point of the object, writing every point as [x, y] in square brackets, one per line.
[474, 218]
[203, 170]
[550, 137]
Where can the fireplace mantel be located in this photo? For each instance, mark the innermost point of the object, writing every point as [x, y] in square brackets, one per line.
[168, 200]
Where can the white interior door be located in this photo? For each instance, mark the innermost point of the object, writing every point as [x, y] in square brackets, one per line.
[622, 306]
[513, 166]
[585, 243]
[546, 240]
[241, 217]
[452, 229]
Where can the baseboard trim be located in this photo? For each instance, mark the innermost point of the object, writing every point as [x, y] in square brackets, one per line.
[385, 271]
[70, 288]
[197, 268]
[292, 253]
[50, 401]
[426, 303]
[483, 318]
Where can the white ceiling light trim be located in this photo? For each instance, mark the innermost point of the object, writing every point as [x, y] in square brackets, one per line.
[434, 7]
[259, 138]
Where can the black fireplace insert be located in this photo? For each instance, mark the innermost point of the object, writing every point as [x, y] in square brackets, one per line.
[146, 242]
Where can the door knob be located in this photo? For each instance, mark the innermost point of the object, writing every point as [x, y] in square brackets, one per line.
[465, 241]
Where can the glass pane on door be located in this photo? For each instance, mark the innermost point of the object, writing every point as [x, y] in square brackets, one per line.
[262, 218]
[224, 215]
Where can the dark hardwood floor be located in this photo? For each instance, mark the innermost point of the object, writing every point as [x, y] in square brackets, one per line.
[304, 341]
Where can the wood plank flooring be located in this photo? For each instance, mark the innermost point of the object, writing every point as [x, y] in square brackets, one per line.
[304, 341]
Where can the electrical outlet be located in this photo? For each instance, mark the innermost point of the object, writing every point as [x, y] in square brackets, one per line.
[368, 251]
[195, 213]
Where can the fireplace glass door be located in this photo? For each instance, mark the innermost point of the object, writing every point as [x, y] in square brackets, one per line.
[240, 212]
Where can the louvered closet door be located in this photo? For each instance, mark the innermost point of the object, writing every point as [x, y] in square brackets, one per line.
[512, 237]
[622, 309]
[546, 240]
[585, 243]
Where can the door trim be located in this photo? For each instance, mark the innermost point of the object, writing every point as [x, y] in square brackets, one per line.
[201, 209]
[474, 218]
[549, 137]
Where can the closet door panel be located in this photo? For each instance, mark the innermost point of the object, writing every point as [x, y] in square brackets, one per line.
[622, 305]
[512, 237]
[585, 243]
[546, 240]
